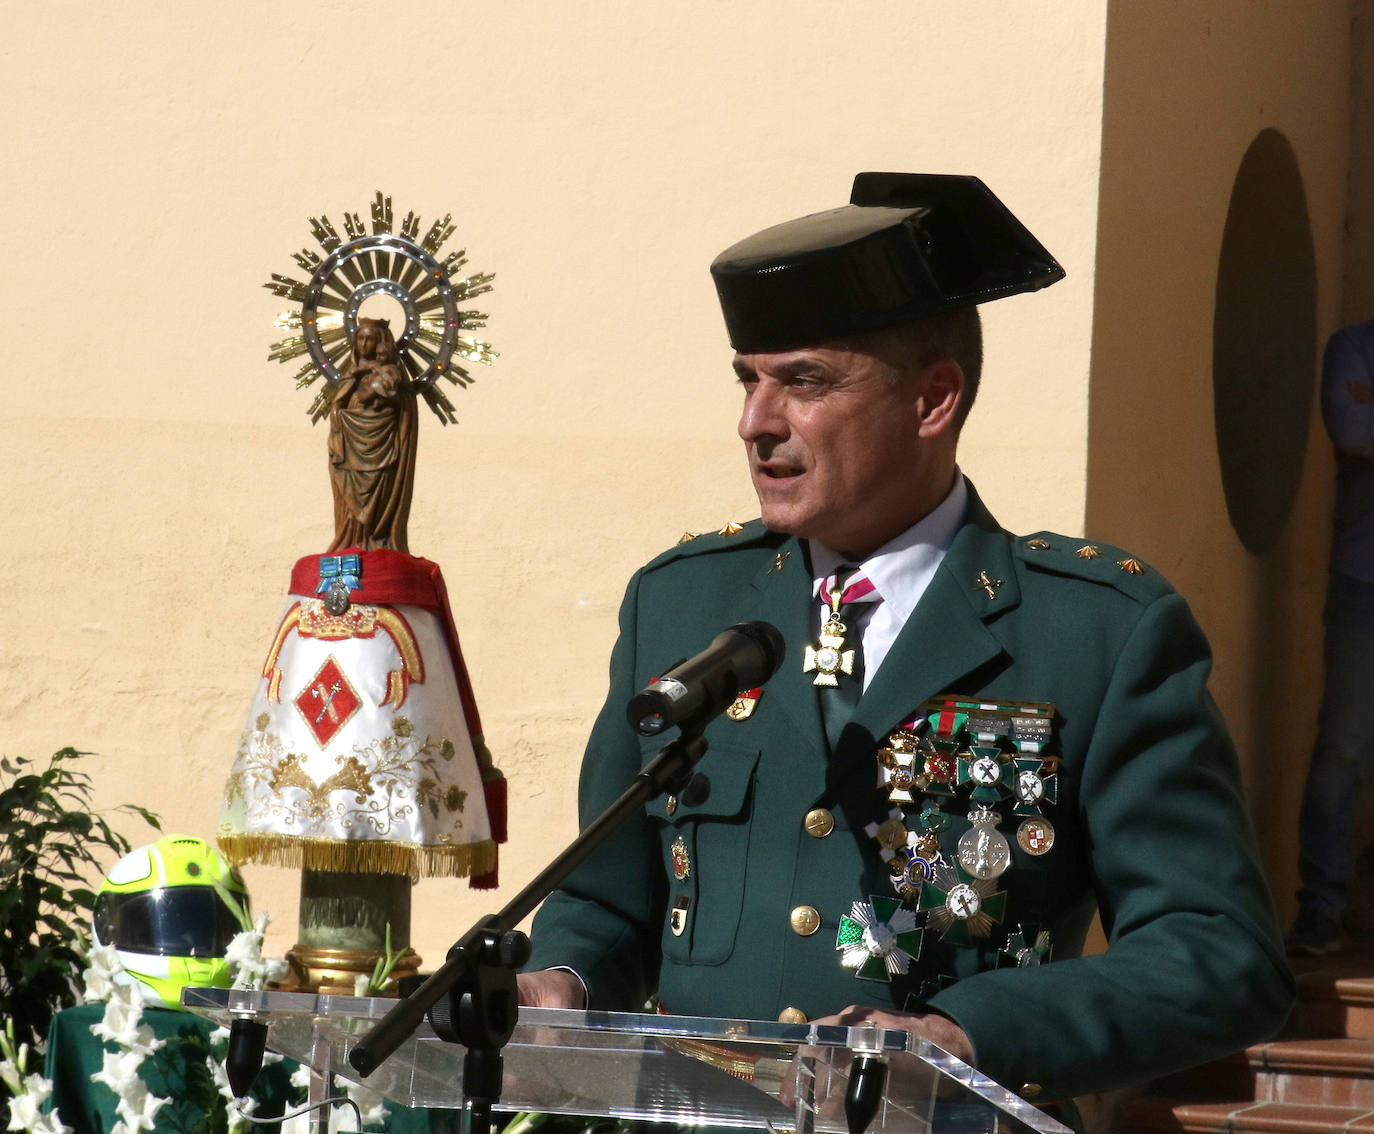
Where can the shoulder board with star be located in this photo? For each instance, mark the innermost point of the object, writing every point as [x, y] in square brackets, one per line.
[726, 538]
[1092, 560]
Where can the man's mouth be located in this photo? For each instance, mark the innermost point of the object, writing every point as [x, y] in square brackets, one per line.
[774, 471]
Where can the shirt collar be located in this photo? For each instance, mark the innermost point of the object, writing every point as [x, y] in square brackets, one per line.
[902, 568]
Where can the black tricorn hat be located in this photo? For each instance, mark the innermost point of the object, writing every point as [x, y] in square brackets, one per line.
[906, 247]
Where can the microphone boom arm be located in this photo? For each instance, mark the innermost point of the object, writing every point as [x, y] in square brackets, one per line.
[484, 960]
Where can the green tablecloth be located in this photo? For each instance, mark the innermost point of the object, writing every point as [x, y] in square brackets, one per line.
[177, 1071]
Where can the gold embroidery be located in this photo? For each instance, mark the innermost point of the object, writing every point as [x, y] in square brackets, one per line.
[368, 794]
[310, 619]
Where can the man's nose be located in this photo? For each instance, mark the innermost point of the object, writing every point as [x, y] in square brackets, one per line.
[762, 414]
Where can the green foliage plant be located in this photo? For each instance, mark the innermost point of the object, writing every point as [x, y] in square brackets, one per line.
[52, 843]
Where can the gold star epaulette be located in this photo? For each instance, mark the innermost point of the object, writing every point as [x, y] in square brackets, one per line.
[1090, 559]
[730, 534]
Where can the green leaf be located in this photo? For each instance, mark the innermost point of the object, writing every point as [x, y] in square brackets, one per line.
[52, 841]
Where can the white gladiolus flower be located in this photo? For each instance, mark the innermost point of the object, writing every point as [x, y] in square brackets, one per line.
[221, 1078]
[238, 1115]
[118, 1070]
[37, 1088]
[50, 1124]
[144, 1041]
[138, 1107]
[123, 1013]
[96, 987]
[104, 965]
[244, 949]
[371, 1103]
[25, 1111]
[10, 1075]
[244, 956]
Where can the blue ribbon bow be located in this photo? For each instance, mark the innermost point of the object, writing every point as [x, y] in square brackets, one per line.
[345, 568]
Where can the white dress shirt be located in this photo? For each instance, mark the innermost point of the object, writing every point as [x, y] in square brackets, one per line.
[900, 570]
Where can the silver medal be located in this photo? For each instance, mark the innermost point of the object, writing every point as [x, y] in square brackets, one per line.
[983, 850]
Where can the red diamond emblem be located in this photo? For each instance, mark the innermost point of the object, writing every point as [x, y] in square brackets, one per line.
[328, 702]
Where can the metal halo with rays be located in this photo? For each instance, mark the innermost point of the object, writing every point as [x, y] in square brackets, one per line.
[383, 262]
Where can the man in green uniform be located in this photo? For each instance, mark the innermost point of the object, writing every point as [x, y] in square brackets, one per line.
[975, 740]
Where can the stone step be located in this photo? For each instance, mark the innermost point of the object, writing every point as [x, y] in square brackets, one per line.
[1335, 1071]
[1333, 1001]
[1157, 1115]
[1318, 1078]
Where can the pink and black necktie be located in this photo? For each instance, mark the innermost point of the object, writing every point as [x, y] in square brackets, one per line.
[837, 659]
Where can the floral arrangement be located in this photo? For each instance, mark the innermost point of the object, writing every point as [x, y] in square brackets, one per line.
[28, 1091]
[124, 1028]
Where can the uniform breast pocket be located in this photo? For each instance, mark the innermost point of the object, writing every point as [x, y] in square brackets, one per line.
[705, 847]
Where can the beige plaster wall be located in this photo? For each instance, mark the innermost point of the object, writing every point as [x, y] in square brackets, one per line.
[1357, 302]
[1188, 87]
[162, 476]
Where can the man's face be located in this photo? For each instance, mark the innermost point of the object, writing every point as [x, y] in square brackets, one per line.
[835, 446]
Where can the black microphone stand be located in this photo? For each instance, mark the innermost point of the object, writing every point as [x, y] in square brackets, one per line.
[471, 999]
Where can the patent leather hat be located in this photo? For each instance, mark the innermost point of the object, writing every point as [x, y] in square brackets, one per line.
[906, 247]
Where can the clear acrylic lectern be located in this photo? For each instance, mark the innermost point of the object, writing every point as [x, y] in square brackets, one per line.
[750, 1074]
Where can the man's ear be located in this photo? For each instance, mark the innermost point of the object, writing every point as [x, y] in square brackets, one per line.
[942, 390]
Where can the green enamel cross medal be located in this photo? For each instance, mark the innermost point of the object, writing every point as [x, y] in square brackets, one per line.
[988, 771]
[1033, 786]
[961, 907]
[878, 938]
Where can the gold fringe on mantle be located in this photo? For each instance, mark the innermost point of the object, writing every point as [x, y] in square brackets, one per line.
[360, 856]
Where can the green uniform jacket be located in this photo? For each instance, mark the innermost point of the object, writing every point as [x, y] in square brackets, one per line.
[1151, 827]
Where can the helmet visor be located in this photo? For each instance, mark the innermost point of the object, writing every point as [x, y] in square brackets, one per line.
[172, 921]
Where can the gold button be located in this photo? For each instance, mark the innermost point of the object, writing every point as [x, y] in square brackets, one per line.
[671, 805]
[805, 920]
[819, 822]
[792, 1016]
[1030, 1090]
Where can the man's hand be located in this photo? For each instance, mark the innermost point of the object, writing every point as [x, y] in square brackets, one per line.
[940, 1030]
[914, 1080]
[551, 988]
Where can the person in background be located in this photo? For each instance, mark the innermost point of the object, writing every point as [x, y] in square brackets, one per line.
[1332, 799]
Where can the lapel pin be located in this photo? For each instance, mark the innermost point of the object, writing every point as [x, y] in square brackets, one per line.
[988, 584]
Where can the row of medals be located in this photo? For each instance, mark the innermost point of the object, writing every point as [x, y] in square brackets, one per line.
[995, 752]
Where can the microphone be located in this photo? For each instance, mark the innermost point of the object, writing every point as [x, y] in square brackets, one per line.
[243, 1061]
[867, 1078]
[741, 657]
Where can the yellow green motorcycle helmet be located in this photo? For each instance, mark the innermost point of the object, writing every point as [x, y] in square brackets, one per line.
[160, 910]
